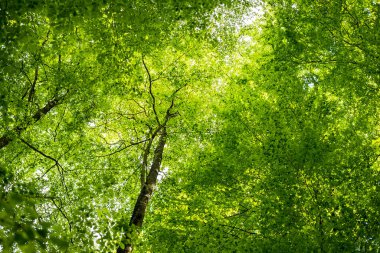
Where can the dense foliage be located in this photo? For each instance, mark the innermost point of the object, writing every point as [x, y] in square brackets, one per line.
[189, 126]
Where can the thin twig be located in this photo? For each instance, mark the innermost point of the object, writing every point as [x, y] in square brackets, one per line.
[240, 229]
[119, 150]
[167, 67]
[63, 213]
[47, 171]
[142, 107]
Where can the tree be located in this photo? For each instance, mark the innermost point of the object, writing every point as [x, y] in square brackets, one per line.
[292, 165]
[177, 126]
[74, 97]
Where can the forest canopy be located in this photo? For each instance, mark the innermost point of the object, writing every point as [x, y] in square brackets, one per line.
[189, 126]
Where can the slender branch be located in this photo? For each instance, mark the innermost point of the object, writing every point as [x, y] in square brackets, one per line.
[142, 107]
[38, 151]
[166, 77]
[27, 77]
[171, 64]
[61, 171]
[237, 214]
[240, 229]
[168, 113]
[36, 196]
[47, 171]
[63, 213]
[33, 86]
[119, 150]
[46, 39]
[56, 163]
[151, 92]
[55, 133]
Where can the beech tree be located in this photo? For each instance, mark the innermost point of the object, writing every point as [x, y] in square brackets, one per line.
[189, 126]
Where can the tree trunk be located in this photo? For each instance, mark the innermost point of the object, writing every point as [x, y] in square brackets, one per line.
[147, 190]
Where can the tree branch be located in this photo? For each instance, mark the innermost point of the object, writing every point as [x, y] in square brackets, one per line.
[168, 113]
[63, 214]
[240, 229]
[167, 67]
[38, 151]
[119, 150]
[27, 77]
[151, 92]
[33, 86]
[56, 163]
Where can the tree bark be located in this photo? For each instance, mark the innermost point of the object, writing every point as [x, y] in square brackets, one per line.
[5, 140]
[147, 190]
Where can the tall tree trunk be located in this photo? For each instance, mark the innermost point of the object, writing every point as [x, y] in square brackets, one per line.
[147, 190]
